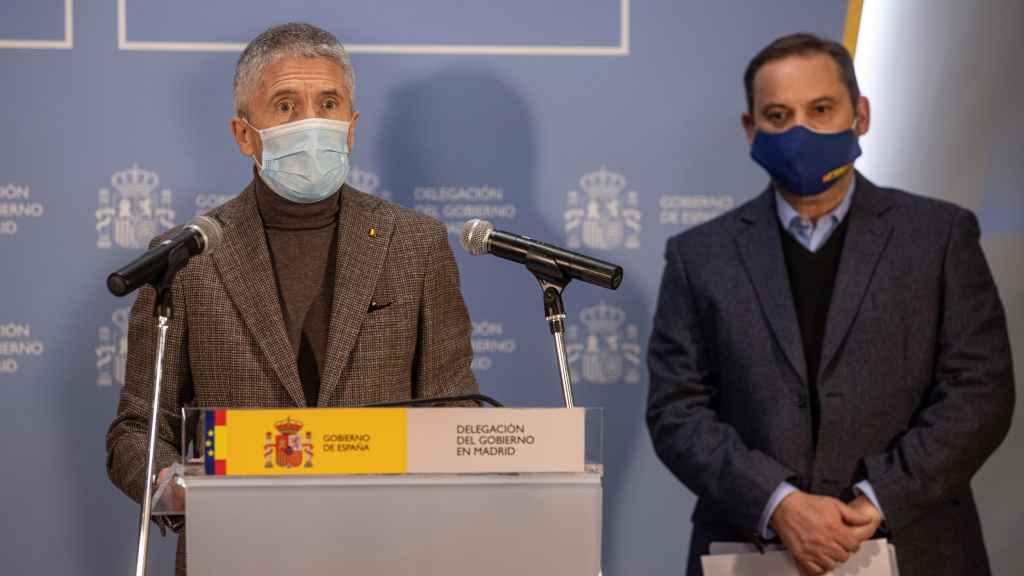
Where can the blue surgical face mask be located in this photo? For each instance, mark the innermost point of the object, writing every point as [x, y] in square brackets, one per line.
[805, 162]
[304, 161]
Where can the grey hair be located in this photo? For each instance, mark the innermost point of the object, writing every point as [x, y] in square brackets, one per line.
[292, 39]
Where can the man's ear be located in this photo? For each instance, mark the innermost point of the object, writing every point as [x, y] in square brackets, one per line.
[748, 126]
[863, 116]
[245, 137]
[353, 121]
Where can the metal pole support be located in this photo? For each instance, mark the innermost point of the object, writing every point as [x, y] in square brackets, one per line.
[554, 313]
[154, 419]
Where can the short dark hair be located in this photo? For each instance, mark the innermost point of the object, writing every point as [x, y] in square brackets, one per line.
[803, 44]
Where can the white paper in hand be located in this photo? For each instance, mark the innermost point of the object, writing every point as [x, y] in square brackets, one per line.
[875, 558]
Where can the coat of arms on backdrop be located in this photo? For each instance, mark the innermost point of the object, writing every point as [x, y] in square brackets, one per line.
[604, 216]
[112, 349]
[133, 212]
[609, 349]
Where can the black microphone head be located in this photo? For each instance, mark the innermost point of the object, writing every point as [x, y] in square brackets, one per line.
[117, 285]
[475, 236]
[210, 231]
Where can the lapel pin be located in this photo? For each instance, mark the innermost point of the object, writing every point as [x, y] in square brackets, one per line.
[372, 232]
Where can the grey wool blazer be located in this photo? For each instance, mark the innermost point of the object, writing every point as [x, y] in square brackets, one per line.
[915, 383]
[227, 345]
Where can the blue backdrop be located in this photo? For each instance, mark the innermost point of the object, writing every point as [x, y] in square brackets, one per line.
[603, 125]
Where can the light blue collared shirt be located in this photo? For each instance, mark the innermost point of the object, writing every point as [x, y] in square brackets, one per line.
[811, 235]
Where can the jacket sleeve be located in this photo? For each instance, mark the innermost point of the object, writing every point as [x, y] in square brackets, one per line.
[444, 353]
[968, 409]
[705, 453]
[128, 434]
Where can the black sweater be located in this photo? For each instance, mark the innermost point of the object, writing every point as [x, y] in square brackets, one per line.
[812, 277]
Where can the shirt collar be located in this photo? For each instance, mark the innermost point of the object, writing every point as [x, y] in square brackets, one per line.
[787, 214]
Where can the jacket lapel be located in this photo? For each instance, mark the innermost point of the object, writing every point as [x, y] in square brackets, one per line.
[364, 234]
[245, 267]
[760, 246]
[866, 238]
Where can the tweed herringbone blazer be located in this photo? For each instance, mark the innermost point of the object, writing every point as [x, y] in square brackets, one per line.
[915, 384]
[227, 345]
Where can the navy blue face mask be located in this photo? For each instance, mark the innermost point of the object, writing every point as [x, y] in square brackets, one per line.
[805, 162]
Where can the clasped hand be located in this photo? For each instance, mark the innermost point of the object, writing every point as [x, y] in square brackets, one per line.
[822, 532]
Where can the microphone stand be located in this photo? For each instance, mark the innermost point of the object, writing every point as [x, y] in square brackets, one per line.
[162, 310]
[553, 281]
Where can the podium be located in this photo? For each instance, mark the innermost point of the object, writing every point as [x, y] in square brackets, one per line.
[489, 519]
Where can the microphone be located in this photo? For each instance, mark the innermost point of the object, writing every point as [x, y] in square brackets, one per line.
[479, 237]
[201, 235]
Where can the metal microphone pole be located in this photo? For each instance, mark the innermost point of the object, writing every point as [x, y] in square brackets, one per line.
[554, 313]
[162, 310]
[147, 498]
[553, 281]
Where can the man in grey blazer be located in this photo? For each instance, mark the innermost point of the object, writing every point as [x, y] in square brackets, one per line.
[830, 359]
[319, 294]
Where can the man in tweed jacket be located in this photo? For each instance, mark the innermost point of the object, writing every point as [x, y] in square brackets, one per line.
[381, 319]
